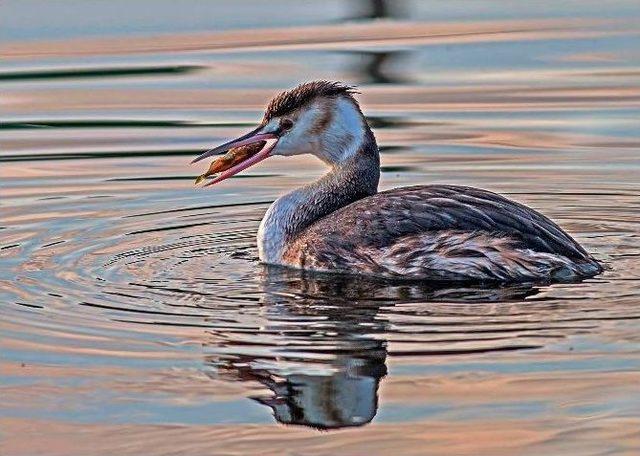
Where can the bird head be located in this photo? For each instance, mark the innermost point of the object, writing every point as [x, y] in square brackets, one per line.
[321, 118]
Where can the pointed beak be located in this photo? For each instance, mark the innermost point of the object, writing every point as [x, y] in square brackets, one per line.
[240, 154]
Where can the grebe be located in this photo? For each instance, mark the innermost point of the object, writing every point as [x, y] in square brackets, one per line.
[341, 223]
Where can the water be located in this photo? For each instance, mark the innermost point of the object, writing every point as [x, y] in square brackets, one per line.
[135, 318]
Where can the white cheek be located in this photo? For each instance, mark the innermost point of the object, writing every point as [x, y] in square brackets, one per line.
[299, 139]
[284, 147]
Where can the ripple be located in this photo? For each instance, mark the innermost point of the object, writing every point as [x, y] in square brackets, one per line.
[75, 73]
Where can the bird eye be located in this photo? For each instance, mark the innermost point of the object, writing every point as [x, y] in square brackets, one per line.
[286, 124]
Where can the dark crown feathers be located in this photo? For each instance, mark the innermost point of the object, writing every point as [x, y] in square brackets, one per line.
[297, 97]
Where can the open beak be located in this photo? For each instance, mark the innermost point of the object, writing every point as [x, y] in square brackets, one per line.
[240, 154]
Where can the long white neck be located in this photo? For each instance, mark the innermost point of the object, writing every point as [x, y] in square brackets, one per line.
[289, 215]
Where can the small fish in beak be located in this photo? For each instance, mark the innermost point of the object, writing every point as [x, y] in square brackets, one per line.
[233, 157]
[241, 153]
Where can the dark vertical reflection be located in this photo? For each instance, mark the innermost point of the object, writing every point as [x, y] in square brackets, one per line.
[330, 349]
[377, 67]
[375, 9]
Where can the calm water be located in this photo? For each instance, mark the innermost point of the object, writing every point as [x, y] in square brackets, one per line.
[135, 318]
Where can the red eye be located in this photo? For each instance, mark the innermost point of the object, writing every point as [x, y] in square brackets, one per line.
[286, 124]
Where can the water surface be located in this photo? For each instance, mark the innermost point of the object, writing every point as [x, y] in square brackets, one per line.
[135, 318]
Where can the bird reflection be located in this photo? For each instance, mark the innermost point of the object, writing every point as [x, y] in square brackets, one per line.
[330, 350]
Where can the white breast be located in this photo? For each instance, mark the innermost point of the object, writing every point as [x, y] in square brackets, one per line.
[272, 234]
